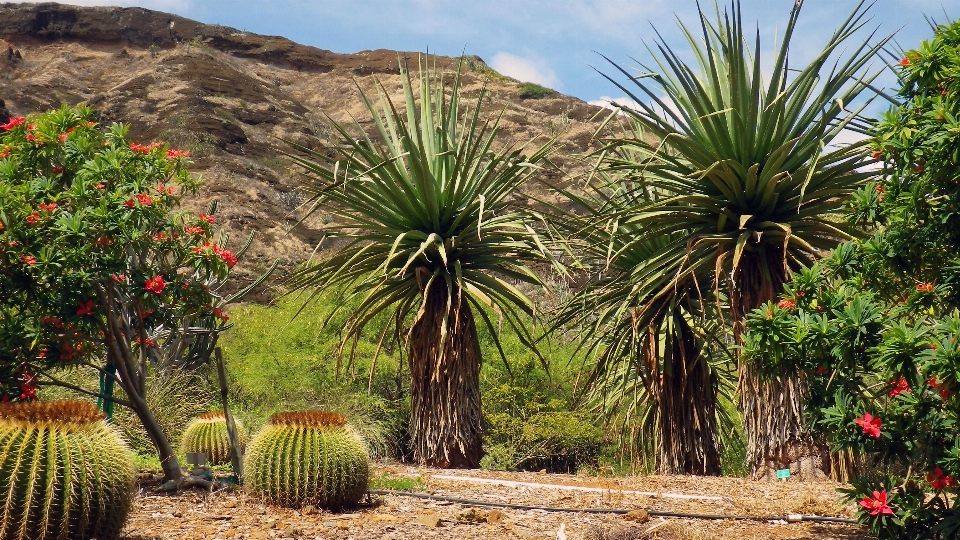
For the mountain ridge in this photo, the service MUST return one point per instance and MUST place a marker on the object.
(230, 96)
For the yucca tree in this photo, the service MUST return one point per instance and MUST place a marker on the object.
(430, 237)
(651, 377)
(744, 185)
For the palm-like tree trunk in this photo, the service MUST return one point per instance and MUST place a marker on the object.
(772, 407)
(445, 417)
(686, 395)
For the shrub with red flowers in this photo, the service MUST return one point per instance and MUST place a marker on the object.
(90, 243)
(875, 327)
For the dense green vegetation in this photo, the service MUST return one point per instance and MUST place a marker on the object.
(533, 91)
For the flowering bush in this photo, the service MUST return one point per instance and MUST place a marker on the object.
(97, 268)
(875, 328)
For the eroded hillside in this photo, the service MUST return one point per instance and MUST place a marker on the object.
(229, 97)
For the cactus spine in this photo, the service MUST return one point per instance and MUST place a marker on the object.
(308, 457)
(208, 434)
(64, 473)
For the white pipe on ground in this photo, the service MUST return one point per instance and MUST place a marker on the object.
(513, 483)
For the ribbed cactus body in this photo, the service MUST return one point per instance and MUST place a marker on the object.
(208, 434)
(64, 473)
(310, 457)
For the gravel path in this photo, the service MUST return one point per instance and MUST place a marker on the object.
(234, 515)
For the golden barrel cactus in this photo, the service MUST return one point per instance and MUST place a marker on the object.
(64, 473)
(307, 457)
(208, 434)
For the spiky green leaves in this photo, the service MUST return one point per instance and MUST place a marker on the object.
(429, 199)
(309, 457)
(64, 473)
(208, 434)
(739, 166)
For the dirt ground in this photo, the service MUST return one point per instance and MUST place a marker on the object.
(234, 515)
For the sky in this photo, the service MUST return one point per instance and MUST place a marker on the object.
(555, 43)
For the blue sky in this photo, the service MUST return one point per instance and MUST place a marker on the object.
(554, 43)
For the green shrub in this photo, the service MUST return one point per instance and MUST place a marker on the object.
(308, 457)
(529, 424)
(208, 434)
(65, 473)
(534, 91)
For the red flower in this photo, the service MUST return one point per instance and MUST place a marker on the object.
(57, 170)
(30, 137)
(939, 480)
(33, 218)
(206, 217)
(876, 154)
(129, 203)
(48, 207)
(945, 392)
(86, 308)
(14, 122)
(28, 392)
(146, 313)
(899, 387)
(877, 506)
(821, 370)
(155, 284)
(220, 314)
(28, 260)
(194, 230)
(119, 278)
(144, 199)
(228, 257)
(63, 137)
(926, 287)
(880, 189)
(870, 425)
(147, 344)
(101, 185)
(787, 303)
(174, 153)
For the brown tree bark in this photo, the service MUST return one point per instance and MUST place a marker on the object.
(686, 394)
(772, 407)
(445, 417)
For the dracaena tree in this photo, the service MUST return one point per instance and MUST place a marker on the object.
(429, 235)
(652, 376)
(742, 181)
(97, 268)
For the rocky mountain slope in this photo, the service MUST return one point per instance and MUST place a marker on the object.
(229, 97)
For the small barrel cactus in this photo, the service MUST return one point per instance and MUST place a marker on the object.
(64, 473)
(208, 434)
(308, 457)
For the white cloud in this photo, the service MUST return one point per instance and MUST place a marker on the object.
(608, 102)
(526, 70)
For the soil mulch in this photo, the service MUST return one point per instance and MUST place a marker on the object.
(232, 514)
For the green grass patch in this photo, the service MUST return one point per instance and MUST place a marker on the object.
(534, 91)
(387, 481)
